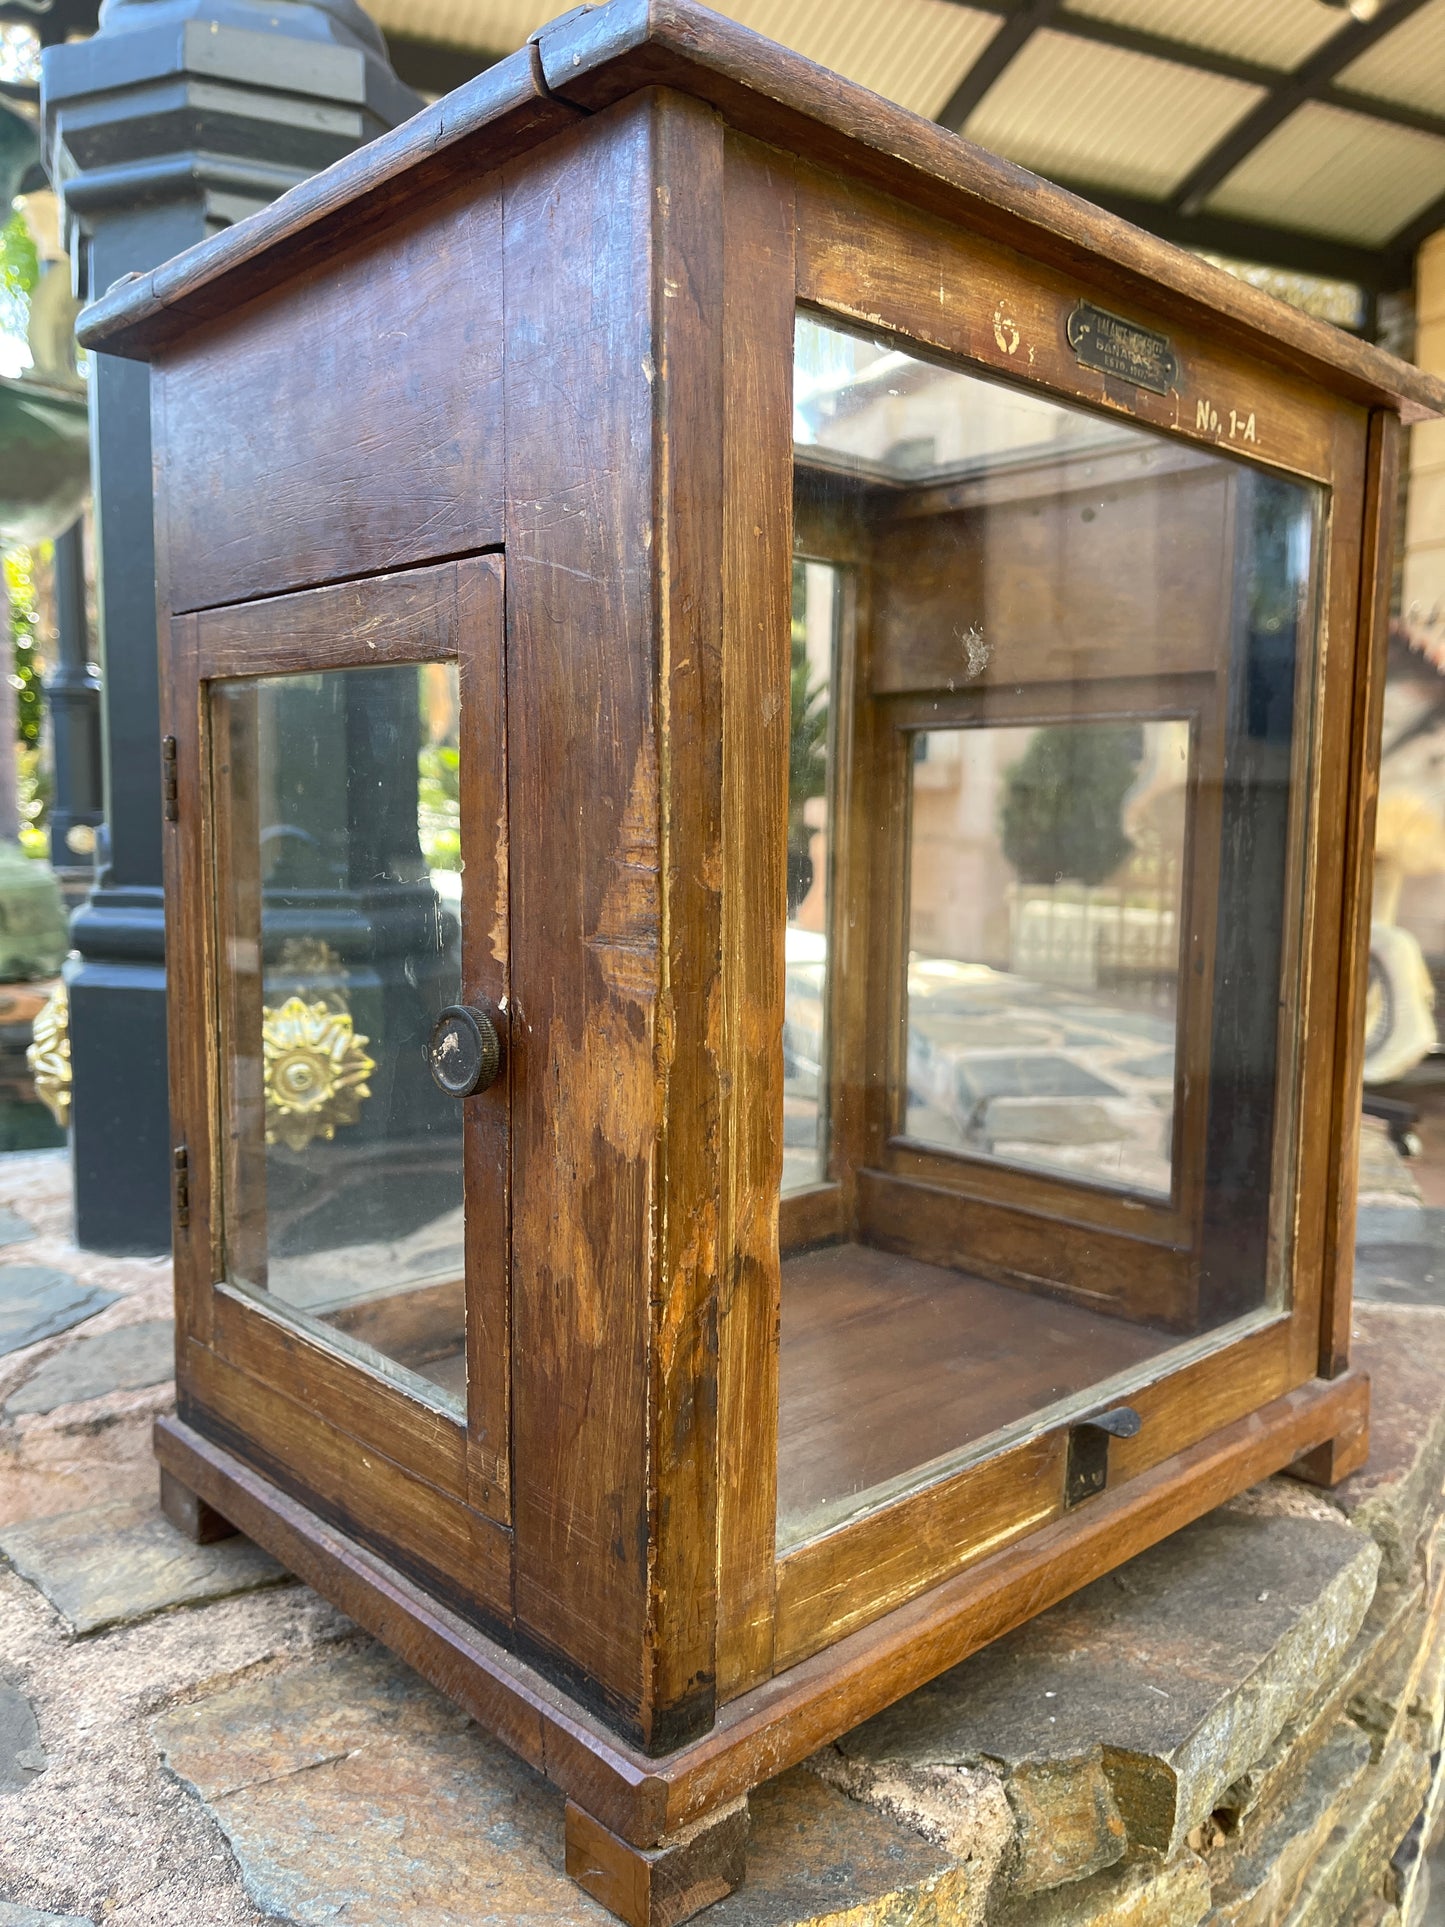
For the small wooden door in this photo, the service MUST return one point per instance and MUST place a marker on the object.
(350, 846)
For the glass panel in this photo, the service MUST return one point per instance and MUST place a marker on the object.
(817, 601)
(1044, 920)
(1076, 762)
(338, 857)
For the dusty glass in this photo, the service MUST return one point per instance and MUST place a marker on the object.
(1053, 918)
(338, 863)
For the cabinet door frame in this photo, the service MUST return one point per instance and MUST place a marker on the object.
(874, 264)
(242, 1361)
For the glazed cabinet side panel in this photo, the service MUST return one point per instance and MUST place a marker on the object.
(1382, 458)
(347, 424)
(613, 754)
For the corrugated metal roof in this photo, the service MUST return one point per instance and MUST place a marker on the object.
(1077, 111)
(1408, 65)
(1336, 173)
(487, 26)
(1276, 33)
(915, 53)
(917, 59)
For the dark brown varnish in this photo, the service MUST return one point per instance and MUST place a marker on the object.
(510, 388)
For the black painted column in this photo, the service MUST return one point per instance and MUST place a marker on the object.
(176, 119)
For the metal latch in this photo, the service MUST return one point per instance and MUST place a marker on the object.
(170, 786)
(1088, 1467)
(181, 1183)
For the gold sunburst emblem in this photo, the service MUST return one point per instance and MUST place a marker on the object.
(49, 1056)
(315, 1070)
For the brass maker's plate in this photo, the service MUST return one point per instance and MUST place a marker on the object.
(1116, 347)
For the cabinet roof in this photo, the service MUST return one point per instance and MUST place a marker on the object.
(596, 55)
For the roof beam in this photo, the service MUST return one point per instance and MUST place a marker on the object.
(1308, 82)
(1018, 27)
(1181, 53)
(1414, 233)
(1377, 270)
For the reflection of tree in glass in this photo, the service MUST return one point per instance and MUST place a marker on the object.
(1061, 814)
(807, 750)
(438, 787)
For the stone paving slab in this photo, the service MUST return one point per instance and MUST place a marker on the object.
(347, 1789)
(1398, 1490)
(14, 1229)
(21, 1755)
(110, 1565)
(1120, 1716)
(124, 1359)
(39, 1301)
(15, 1916)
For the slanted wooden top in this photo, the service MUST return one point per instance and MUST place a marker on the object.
(595, 55)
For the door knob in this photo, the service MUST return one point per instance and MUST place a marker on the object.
(464, 1052)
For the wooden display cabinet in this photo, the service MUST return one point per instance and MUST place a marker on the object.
(770, 757)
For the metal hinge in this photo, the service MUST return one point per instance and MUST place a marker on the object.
(1087, 1472)
(181, 1185)
(170, 788)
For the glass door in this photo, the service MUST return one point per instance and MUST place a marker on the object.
(1053, 676)
(358, 813)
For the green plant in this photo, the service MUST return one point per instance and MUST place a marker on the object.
(33, 782)
(1061, 812)
(19, 273)
(439, 815)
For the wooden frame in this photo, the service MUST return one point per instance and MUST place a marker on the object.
(589, 460)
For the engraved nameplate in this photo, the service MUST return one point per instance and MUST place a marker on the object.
(1122, 348)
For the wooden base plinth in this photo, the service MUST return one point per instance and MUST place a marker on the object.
(190, 1515)
(1338, 1457)
(659, 1886)
(656, 1839)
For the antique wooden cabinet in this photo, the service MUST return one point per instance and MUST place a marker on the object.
(769, 760)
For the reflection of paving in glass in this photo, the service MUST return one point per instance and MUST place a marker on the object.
(1003, 1067)
(412, 1315)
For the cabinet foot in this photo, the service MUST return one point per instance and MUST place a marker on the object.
(191, 1516)
(1337, 1458)
(663, 1885)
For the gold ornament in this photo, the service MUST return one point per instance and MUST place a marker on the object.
(315, 1072)
(49, 1056)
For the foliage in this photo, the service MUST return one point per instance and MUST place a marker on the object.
(1061, 813)
(19, 273)
(808, 743)
(439, 816)
(34, 783)
(807, 748)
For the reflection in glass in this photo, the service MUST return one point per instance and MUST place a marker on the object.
(1074, 764)
(1046, 867)
(817, 598)
(339, 857)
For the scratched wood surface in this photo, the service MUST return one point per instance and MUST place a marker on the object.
(550, 438)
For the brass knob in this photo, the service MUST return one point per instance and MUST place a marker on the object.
(464, 1052)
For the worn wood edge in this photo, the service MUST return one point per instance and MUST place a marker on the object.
(592, 57)
(781, 1722)
(500, 113)
(594, 54)
(1372, 623)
